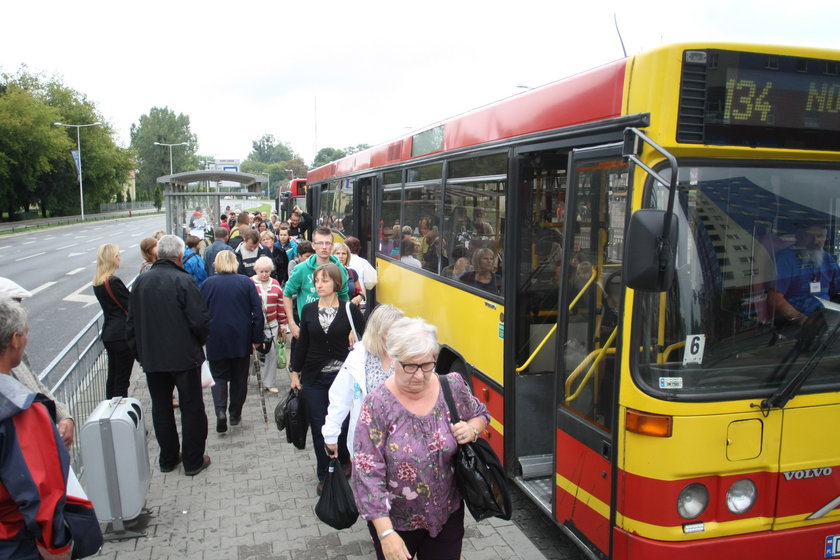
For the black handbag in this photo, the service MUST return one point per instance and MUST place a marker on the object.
(336, 507)
(295, 416)
(478, 472)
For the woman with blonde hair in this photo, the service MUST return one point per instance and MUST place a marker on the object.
(113, 298)
(236, 328)
(354, 289)
(366, 367)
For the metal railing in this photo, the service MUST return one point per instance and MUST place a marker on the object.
(77, 378)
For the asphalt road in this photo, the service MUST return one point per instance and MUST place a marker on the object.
(57, 265)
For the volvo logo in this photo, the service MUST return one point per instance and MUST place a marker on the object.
(807, 473)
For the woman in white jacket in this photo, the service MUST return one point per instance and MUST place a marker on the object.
(366, 367)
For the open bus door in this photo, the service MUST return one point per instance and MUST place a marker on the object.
(568, 288)
(588, 325)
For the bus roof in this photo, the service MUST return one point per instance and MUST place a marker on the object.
(590, 96)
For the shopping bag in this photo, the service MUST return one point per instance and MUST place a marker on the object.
(336, 506)
(206, 377)
(280, 348)
(296, 424)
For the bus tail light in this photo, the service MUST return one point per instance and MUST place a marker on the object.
(654, 425)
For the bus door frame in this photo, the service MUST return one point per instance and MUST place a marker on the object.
(586, 434)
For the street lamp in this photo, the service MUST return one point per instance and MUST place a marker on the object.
(170, 151)
(79, 159)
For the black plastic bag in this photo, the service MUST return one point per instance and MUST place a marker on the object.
(280, 411)
(336, 507)
(478, 472)
(482, 481)
(296, 421)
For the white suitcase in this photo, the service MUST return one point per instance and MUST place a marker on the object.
(115, 455)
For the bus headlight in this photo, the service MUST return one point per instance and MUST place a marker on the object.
(692, 501)
(741, 496)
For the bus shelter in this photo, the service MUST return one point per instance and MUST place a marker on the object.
(189, 210)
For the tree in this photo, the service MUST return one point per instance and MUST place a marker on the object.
(158, 197)
(326, 155)
(36, 166)
(164, 126)
(268, 150)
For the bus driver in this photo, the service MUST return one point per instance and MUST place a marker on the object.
(804, 272)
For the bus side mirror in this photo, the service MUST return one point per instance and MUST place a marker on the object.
(649, 257)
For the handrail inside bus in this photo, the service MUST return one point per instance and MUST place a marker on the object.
(598, 354)
(551, 332)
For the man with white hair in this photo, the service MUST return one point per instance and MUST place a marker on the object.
(23, 373)
(168, 324)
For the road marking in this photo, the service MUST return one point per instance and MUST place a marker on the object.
(31, 256)
(66, 246)
(27, 242)
(50, 237)
(130, 247)
(41, 288)
(75, 255)
(82, 298)
(72, 272)
(136, 234)
(95, 239)
(5, 246)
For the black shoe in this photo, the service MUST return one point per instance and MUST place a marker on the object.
(204, 464)
(234, 421)
(221, 424)
(173, 467)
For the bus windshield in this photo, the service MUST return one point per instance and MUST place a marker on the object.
(756, 259)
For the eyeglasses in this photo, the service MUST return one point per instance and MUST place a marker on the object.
(322, 243)
(411, 369)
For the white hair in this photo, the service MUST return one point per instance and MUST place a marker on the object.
(412, 336)
(170, 247)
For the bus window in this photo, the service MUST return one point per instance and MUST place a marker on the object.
(336, 202)
(389, 226)
(473, 224)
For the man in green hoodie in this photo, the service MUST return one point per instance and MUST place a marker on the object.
(301, 283)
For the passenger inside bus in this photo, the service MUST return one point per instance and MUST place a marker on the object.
(484, 277)
(460, 263)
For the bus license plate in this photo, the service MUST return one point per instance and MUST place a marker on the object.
(832, 546)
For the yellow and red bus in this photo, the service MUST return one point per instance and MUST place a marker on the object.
(600, 257)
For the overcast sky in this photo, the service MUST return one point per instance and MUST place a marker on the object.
(334, 74)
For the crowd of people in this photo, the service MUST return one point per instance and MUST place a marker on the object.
(363, 376)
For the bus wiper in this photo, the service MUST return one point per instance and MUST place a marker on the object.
(791, 387)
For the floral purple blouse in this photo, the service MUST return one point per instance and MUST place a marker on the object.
(403, 462)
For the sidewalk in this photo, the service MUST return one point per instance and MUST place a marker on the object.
(256, 502)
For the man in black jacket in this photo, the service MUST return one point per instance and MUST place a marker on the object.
(168, 324)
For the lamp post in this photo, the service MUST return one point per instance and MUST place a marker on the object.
(79, 159)
(170, 151)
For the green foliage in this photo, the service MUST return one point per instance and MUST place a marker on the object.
(164, 126)
(36, 167)
(158, 198)
(268, 150)
(326, 155)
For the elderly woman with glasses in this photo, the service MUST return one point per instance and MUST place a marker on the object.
(404, 478)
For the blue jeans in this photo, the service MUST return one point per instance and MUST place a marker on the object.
(317, 395)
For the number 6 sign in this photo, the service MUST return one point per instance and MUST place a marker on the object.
(695, 344)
